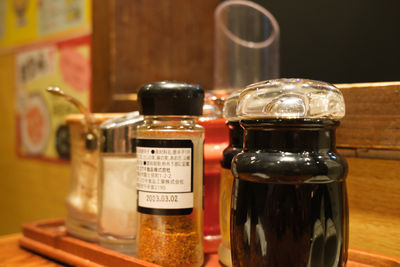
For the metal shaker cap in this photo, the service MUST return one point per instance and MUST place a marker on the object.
(118, 135)
(291, 99)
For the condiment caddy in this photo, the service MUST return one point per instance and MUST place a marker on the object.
(50, 239)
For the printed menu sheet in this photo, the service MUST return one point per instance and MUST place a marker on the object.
(41, 128)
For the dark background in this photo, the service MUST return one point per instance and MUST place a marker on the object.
(339, 41)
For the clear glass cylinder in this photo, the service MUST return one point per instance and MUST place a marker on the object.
(246, 45)
(170, 190)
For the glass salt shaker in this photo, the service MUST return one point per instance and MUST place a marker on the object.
(289, 200)
(226, 181)
(170, 174)
(117, 218)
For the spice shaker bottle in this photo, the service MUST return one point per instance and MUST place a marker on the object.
(226, 181)
(117, 220)
(170, 174)
(289, 200)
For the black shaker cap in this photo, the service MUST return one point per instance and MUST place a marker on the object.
(171, 98)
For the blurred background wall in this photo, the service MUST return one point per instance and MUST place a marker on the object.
(339, 41)
(40, 45)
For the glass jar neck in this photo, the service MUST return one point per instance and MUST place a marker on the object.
(170, 119)
(235, 134)
(291, 135)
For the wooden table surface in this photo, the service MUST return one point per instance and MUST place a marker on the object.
(12, 255)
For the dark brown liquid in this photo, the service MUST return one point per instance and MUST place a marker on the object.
(289, 202)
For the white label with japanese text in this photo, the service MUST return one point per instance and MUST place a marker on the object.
(165, 174)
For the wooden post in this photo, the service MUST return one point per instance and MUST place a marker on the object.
(137, 41)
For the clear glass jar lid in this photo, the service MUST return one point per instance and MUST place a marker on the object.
(291, 99)
(230, 106)
(211, 110)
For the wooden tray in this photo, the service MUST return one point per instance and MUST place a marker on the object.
(49, 238)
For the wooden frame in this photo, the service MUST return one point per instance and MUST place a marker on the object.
(372, 118)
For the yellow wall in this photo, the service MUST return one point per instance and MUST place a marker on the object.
(29, 189)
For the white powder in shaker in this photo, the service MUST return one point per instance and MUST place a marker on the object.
(118, 215)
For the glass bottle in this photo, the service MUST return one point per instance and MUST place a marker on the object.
(82, 198)
(116, 222)
(226, 181)
(289, 205)
(170, 174)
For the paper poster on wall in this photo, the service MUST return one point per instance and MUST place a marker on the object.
(56, 16)
(25, 21)
(40, 115)
(2, 19)
(18, 21)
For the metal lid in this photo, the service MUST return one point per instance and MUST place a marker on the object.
(118, 134)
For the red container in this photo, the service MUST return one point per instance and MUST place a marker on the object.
(216, 140)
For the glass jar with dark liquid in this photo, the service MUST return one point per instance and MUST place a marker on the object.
(234, 147)
(289, 199)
